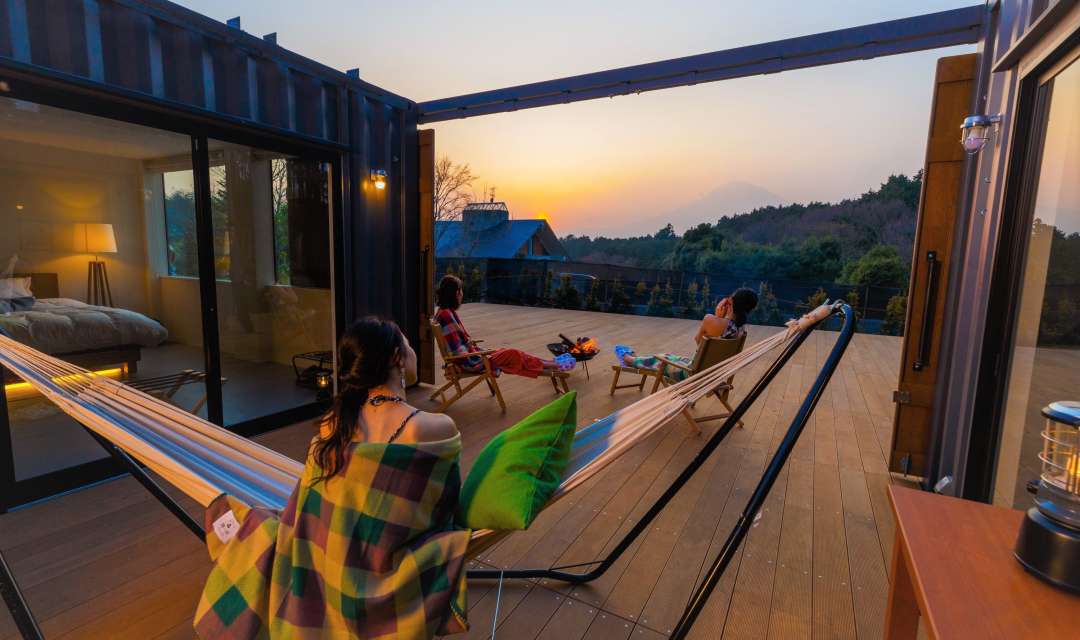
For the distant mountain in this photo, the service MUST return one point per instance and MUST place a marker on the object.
(812, 241)
(728, 199)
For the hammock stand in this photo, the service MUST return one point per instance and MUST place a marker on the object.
(30, 630)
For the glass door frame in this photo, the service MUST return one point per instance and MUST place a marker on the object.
(200, 128)
(1018, 206)
(204, 232)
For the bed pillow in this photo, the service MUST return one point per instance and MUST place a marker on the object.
(518, 471)
(15, 288)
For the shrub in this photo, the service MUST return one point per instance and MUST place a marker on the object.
(767, 310)
(619, 300)
(567, 296)
(592, 299)
(895, 314)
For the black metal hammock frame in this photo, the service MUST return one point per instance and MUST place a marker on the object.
(28, 627)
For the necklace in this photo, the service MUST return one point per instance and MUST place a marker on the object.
(381, 398)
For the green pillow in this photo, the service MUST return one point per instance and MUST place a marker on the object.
(518, 471)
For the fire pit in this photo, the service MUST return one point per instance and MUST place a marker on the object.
(583, 350)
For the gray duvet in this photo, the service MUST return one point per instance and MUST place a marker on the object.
(63, 325)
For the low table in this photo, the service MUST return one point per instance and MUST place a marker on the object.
(953, 564)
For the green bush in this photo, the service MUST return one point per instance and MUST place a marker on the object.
(895, 314)
(567, 296)
(768, 309)
(620, 302)
(592, 299)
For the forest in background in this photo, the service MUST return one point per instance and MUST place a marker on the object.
(860, 241)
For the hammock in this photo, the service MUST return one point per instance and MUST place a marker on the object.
(204, 460)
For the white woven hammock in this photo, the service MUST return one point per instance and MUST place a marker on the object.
(204, 460)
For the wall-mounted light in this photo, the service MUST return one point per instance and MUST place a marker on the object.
(977, 131)
(378, 178)
(19, 206)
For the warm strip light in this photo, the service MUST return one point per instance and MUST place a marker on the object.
(20, 390)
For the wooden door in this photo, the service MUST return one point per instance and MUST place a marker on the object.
(426, 348)
(934, 229)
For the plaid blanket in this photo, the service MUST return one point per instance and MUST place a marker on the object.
(458, 339)
(370, 553)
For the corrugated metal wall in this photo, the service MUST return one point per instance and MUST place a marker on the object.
(166, 58)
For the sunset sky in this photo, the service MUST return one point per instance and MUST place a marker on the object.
(625, 166)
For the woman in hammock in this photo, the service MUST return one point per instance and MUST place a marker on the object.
(458, 340)
(367, 546)
(728, 322)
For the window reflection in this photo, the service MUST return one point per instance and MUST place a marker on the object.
(1046, 349)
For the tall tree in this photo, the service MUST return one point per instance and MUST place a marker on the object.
(453, 184)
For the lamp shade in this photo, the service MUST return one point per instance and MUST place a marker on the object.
(95, 238)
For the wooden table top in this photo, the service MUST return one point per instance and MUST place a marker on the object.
(967, 582)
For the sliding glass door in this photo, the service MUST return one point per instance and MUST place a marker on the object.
(196, 269)
(1045, 349)
(271, 216)
(98, 221)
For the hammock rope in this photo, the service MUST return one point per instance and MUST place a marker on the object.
(204, 460)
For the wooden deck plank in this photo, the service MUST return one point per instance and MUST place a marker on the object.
(792, 601)
(90, 569)
(834, 616)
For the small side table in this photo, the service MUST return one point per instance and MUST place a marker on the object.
(953, 564)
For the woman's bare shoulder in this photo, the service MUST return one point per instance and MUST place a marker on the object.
(430, 427)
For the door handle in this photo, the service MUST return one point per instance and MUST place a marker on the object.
(926, 332)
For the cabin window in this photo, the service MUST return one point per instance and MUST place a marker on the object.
(1045, 350)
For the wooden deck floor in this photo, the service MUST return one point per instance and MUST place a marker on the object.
(109, 562)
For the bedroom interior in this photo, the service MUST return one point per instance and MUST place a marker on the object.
(101, 211)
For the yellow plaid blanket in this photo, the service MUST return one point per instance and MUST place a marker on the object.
(370, 553)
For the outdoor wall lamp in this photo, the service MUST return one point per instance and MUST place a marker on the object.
(1049, 540)
(378, 178)
(976, 132)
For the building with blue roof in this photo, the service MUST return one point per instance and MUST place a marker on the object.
(486, 231)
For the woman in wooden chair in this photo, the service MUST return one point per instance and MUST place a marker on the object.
(459, 342)
(728, 323)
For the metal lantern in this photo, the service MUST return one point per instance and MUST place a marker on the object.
(324, 383)
(1049, 540)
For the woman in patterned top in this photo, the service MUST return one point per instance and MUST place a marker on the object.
(458, 340)
(728, 322)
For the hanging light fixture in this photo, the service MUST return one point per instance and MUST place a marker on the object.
(977, 131)
(1049, 541)
(378, 178)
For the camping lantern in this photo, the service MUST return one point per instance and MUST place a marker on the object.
(1049, 540)
(323, 382)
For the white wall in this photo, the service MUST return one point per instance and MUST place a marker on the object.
(58, 188)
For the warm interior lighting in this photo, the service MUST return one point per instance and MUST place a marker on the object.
(19, 206)
(95, 238)
(378, 178)
(21, 390)
(322, 379)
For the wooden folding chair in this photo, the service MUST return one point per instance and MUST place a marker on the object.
(644, 373)
(711, 351)
(456, 373)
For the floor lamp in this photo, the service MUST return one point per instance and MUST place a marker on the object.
(98, 239)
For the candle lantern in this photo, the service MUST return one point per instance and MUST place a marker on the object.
(324, 383)
(1049, 540)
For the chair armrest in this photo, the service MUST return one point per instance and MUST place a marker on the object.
(677, 365)
(463, 356)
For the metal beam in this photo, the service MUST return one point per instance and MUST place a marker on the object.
(929, 31)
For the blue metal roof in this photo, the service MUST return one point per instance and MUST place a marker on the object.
(502, 240)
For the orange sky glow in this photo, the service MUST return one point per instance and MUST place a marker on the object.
(625, 166)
